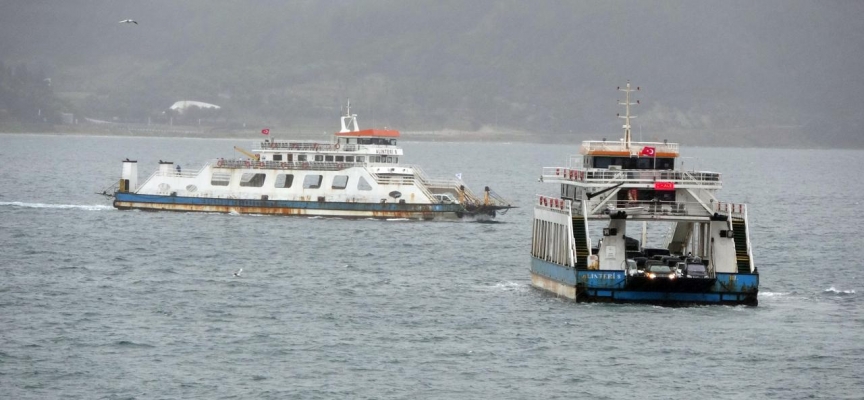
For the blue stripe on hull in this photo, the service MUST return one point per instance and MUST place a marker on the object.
(612, 286)
(124, 200)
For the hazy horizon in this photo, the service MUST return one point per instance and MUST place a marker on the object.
(771, 73)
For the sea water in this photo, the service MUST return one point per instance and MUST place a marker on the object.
(101, 303)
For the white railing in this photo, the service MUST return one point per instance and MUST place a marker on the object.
(654, 208)
(590, 146)
(737, 210)
(636, 176)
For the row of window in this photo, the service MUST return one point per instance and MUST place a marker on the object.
(331, 158)
(631, 162)
(285, 181)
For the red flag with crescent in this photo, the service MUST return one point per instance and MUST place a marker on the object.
(648, 151)
(265, 131)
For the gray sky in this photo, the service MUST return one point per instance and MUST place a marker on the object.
(781, 72)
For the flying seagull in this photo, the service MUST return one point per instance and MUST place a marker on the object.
(239, 271)
(128, 21)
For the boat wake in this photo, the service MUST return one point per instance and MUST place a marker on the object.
(834, 290)
(90, 207)
(510, 286)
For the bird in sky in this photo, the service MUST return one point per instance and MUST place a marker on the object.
(128, 21)
(239, 271)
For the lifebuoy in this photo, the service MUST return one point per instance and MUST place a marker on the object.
(305, 165)
(260, 164)
(284, 165)
(272, 145)
(248, 163)
(220, 163)
(336, 146)
(339, 166)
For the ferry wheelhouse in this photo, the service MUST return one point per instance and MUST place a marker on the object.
(357, 175)
(706, 256)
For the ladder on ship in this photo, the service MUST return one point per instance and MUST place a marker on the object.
(583, 248)
(742, 256)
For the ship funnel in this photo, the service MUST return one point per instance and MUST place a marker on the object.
(129, 176)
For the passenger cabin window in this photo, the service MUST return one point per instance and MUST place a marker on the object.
(340, 158)
(277, 157)
(312, 181)
(340, 181)
(328, 158)
(251, 179)
(220, 179)
(301, 157)
(349, 158)
(319, 157)
(362, 184)
(361, 158)
(633, 162)
(284, 181)
(289, 157)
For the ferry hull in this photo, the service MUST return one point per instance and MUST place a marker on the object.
(133, 201)
(614, 286)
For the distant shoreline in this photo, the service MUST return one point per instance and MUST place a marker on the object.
(719, 138)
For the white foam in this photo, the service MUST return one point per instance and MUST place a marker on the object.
(398, 219)
(510, 286)
(832, 289)
(772, 294)
(87, 207)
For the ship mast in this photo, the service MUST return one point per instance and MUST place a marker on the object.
(627, 89)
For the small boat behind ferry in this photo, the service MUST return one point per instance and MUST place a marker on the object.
(357, 175)
(707, 257)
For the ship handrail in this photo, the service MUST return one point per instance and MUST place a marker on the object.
(606, 176)
(655, 208)
(603, 145)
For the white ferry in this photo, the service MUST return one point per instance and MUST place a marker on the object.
(707, 257)
(357, 175)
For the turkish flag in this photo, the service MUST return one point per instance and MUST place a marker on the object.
(648, 151)
(265, 131)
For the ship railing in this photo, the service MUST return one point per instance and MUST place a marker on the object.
(456, 186)
(605, 176)
(655, 208)
(592, 146)
(737, 210)
(294, 165)
(553, 204)
(426, 184)
(301, 146)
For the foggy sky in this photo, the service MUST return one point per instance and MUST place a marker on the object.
(766, 72)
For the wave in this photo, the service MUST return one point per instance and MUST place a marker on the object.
(398, 219)
(832, 289)
(90, 207)
(772, 294)
(510, 286)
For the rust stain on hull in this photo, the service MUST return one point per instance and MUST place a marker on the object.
(424, 214)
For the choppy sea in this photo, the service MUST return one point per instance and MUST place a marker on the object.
(97, 303)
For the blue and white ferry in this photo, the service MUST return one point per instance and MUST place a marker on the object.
(706, 257)
(357, 175)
